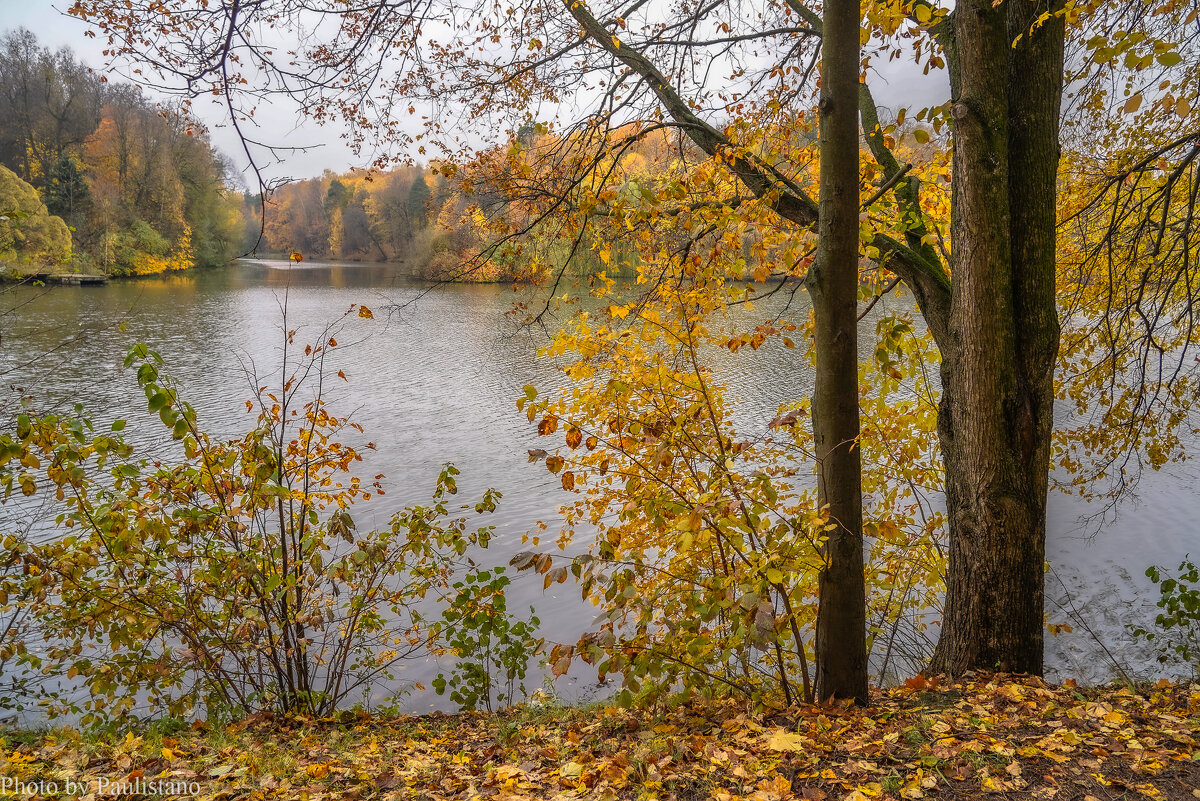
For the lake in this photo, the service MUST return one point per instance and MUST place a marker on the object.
(436, 381)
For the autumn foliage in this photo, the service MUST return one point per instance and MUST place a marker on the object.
(1026, 284)
(140, 186)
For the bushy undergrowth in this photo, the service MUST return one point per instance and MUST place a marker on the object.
(230, 577)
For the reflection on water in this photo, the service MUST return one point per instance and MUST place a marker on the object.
(435, 381)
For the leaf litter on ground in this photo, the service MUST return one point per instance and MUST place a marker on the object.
(999, 736)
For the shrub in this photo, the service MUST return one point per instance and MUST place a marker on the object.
(147, 240)
(20, 675)
(1177, 639)
(29, 234)
(233, 578)
(493, 649)
(143, 251)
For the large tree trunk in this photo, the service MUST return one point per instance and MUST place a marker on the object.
(996, 412)
(833, 285)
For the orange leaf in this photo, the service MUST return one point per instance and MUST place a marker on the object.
(919, 682)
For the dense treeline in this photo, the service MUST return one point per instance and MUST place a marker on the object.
(483, 219)
(429, 218)
(358, 216)
(478, 220)
(141, 189)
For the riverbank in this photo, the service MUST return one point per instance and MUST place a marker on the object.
(452, 272)
(1011, 738)
(71, 279)
(11, 275)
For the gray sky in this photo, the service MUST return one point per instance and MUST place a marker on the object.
(895, 84)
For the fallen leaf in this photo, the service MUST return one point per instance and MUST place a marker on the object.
(784, 740)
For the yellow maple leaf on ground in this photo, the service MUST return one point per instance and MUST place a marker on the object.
(784, 740)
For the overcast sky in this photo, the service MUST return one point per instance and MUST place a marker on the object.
(895, 84)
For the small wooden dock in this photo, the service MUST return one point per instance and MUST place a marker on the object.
(71, 278)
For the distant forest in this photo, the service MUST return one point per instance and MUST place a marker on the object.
(390, 216)
(95, 176)
(139, 189)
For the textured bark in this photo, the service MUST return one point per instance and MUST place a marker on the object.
(997, 373)
(833, 286)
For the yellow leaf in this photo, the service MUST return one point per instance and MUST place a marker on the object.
(784, 740)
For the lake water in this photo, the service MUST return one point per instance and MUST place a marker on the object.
(436, 382)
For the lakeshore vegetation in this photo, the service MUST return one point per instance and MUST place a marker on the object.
(1042, 222)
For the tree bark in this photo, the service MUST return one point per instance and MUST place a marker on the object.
(996, 412)
(833, 286)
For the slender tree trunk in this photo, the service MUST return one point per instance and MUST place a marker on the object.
(996, 412)
(833, 285)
